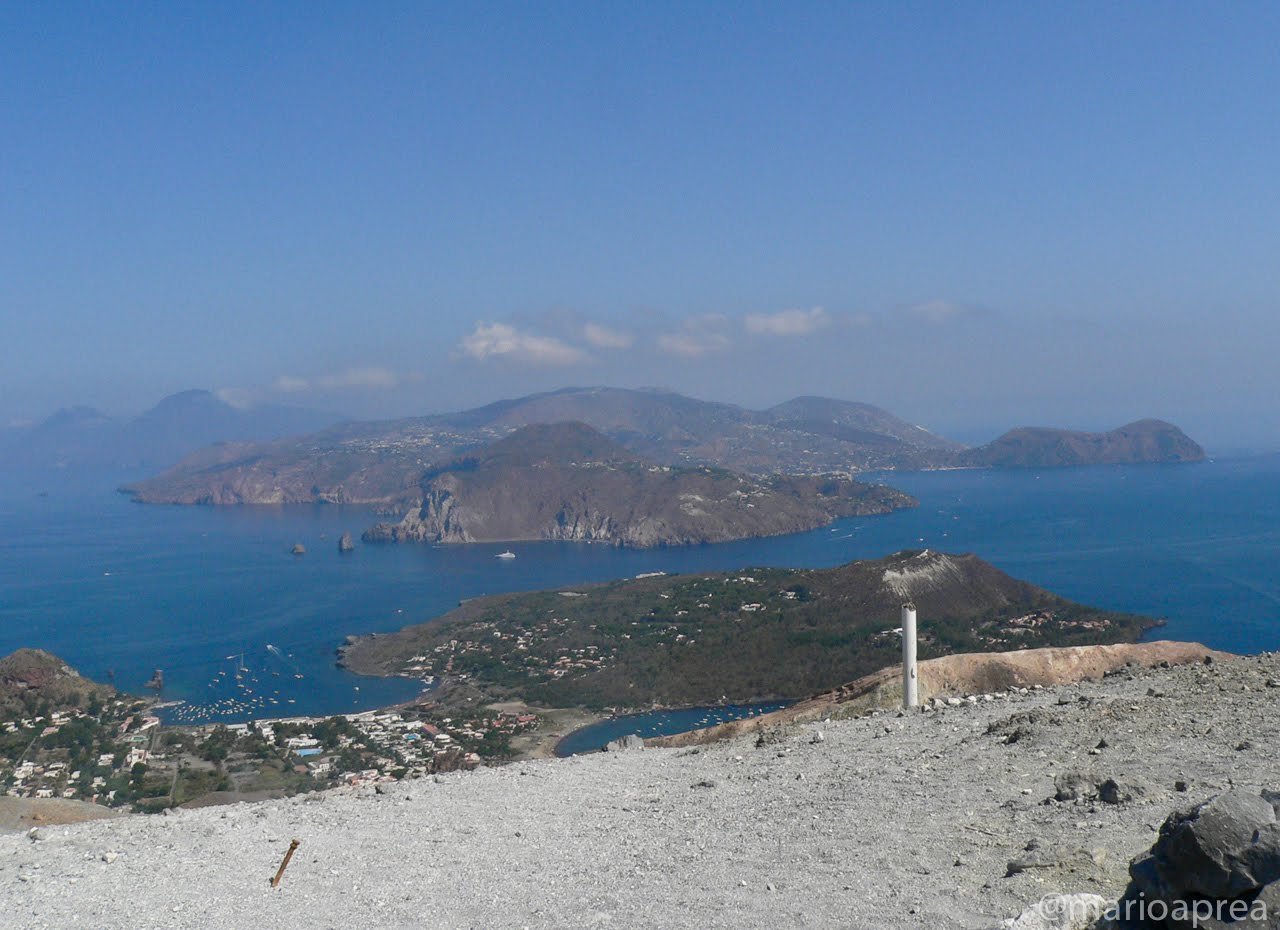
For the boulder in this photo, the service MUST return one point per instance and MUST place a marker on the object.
(345, 544)
(1117, 792)
(628, 743)
(1061, 912)
(1074, 786)
(1223, 852)
(1222, 848)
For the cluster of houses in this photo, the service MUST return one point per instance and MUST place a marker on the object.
(426, 443)
(38, 777)
(440, 661)
(40, 781)
(388, 741)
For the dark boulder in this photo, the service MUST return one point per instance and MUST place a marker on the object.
(1221, 853)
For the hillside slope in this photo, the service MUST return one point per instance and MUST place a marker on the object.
(33, 677)
(567, 481)
(380, 462)
(909, 823)
(955, 676)
(754, 634)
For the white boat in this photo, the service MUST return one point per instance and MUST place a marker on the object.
(505, 555)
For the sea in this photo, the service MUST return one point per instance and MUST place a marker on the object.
(241, 628)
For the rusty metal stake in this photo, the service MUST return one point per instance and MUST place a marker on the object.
(275, 882)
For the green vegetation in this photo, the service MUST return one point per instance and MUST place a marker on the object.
(754, 634)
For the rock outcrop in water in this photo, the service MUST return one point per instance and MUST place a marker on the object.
(345, 544)
(566, 481)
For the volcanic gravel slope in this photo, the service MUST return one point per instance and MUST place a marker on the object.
(879, 822)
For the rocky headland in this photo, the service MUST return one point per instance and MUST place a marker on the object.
(32, 678)
(567, 481)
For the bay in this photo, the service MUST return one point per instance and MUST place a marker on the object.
(115, 587)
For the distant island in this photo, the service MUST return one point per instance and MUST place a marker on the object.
(1039, 447)
(384, 463)
(754, 634)
(177, 426)
(567, 481)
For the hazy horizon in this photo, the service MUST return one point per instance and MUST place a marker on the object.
(975, 218)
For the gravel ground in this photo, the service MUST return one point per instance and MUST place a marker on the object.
(879, 822)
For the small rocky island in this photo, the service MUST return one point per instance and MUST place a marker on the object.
(567, 481)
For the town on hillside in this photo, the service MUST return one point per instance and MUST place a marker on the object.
(119, 753)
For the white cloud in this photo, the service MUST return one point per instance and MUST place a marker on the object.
(372, 378)
(501, 340)
(698, 336)
(788, 322)
(602, 337)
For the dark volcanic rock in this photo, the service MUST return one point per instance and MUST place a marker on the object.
(1224, 850)
(1074, 786)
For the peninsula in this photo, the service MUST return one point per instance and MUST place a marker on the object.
(754, 634)
(567, 481)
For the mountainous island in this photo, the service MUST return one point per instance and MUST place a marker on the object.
(756, 634)
(567, 481)
(1039, 447)
(177, 426)
(383, 463)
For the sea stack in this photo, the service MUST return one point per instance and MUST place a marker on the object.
(345, 544)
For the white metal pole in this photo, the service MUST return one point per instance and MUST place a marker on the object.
(910, 685)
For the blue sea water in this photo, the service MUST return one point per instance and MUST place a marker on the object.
(658, 723)
(113, 586)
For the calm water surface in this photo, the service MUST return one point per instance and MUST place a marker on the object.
(115, 587)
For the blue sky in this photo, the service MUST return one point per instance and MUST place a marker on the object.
(975, 215)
